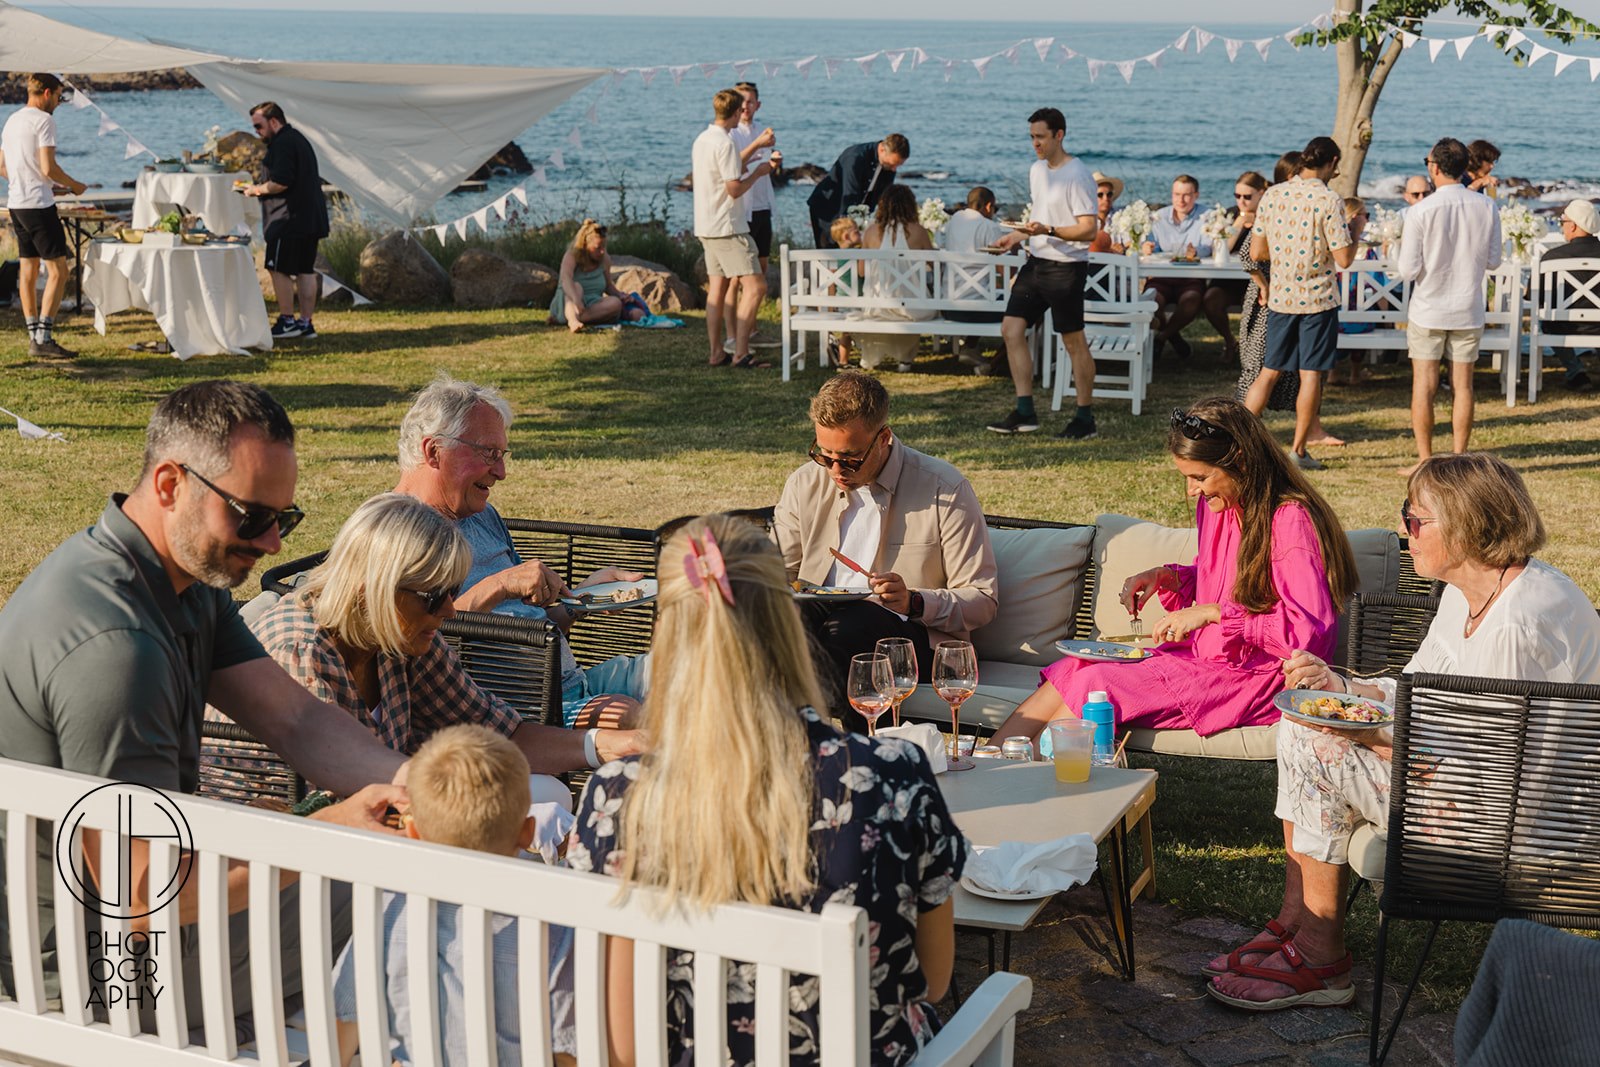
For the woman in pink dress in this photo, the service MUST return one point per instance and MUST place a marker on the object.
(1273, 570)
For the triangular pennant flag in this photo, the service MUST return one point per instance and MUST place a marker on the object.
(481, 217)
(949, 68)
(742, 67)
(1042, 46)
(461, 227)
(1125, 68)
(1011, 55)
(1435, 46)
(918, 57)
(575, 137)
(593, 114)
(1322, 21)
(1154, 58)
(1563, 61)
(616, 76)
(830, 65)
(1407, 38)
(865, 62)
(1515, 37)
(558, 160)
(521, 194)
(1182, 43)
(771, 67)
(804, 65)
(1490, 30)
(1233, 47)
(107, 124)
(1065, 54)
(499, 207)
(80, 99)
(540, 176)
(1594, 68)
(133, 149)
(1201, 39)
(1095, 67)
(648, 74)
(1292, 34)
(1462, 44)
(895, 59)
(678, 72)
(1537, 53)
(982, 66)
(441, 232)
(1262, 46)
(30, 431)
(709, 69)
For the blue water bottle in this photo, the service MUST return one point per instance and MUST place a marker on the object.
(1100, 711)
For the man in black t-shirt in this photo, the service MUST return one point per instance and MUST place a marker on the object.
(295, 217)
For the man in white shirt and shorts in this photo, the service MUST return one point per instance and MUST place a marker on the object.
(720, 182)
(28, 163)
(1063, 223)
(752, 145)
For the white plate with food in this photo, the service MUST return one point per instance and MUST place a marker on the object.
(1341, 711)
(1103, 651)
(1003, 894)
(611, 596)
(833, 593)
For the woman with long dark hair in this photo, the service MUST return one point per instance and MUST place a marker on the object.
(1273, 569)
(896, 226)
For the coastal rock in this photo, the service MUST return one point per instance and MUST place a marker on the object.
(804, 174)
(482, 279)
(395, 269)
(662, 289)
(14, 87)
(242, 151)
(509, 160)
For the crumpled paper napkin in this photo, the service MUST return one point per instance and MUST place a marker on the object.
(1042, 867)
(925, 736)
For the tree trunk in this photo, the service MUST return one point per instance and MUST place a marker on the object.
(1362, 74)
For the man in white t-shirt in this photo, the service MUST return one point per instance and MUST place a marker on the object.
(974, 230)
(752, 145)
(1062, 224)
(720, 183)
(28, 164)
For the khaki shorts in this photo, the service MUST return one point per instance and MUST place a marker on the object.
(731, 257)
(1424, 343)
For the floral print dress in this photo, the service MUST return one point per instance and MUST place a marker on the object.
(883, 840)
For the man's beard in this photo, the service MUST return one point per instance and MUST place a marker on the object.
(199, 556)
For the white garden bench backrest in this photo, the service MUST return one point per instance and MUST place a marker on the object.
(831, 945)
(1112, 284)
(1379, 296)
(952, 281)
(1566, 290)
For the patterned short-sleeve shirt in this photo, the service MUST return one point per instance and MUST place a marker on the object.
(883, 840)
(1303, 223)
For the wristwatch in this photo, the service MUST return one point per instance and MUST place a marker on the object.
(915, 609)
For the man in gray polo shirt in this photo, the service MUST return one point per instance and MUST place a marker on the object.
(111, 648)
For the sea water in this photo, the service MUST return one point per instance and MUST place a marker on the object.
(1199, 114)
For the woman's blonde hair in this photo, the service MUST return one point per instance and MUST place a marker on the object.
(580, 244)
(1485, 511)
(722, 807)
(392, 542)
(469, 788)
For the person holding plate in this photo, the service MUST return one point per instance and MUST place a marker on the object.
(1273, 567)
(1473, 525)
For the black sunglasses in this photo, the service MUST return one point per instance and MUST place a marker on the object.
(1195, 428)
(1412, 523)
(433, 599)
(849, 466)
(254, 519)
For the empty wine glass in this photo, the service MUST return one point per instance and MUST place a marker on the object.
(902, 655)
(870, 687)
(955, 678)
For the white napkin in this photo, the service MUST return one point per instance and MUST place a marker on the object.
(925, 736)
(1045, 867)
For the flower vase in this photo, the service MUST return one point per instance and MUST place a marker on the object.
(1219, 253)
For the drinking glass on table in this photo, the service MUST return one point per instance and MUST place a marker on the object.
(903, 665)
(955, 679)
(870, 687)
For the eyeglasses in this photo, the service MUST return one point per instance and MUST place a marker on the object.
(1104, 192)
(847, 463)
(1412, 523)
(254, 519)
(1195, 428)
(489, 455)
(433, 599)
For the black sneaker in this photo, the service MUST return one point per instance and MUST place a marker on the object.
(308, 332)
(286, 328)
(50, 349)
(1079, 428)
(1182, 348)
(1580, 383)
(1015, 422)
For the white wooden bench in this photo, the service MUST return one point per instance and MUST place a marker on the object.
(1565, 291)
(832, 945)
(1117, 319)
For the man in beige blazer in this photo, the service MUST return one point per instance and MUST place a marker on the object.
(911, 520)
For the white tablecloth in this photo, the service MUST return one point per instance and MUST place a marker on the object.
(210, 196)
(205, 298)
(1205, 269)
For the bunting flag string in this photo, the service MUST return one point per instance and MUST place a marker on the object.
(81, 101)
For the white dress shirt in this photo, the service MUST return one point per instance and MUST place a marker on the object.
(860, 528)
(1451, 239)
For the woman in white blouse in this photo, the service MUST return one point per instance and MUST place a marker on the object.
(1503, 614)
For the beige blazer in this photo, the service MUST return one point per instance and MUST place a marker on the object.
(933, 536)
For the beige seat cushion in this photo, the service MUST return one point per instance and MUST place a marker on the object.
(1369, 852)
(1123, 547)
(1040, 576)
(1242, 743)
(1001, 687)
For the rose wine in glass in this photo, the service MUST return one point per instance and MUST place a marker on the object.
(955, 678)
(903, 665)
(870, 687)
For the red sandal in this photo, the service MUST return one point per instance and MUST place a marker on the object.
(1310, 985)
(1264, 944)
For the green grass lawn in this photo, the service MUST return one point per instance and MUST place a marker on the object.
(634, 429)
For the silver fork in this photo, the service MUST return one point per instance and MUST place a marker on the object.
(1136, 627)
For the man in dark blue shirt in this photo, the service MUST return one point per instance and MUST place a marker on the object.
(859, 176)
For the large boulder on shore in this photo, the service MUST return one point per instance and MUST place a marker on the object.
(662, 289)
(481, 279)
(243, 151)
(396, 269)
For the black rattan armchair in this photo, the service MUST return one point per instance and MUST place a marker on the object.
(236, 767)
(1384, 630)
(516, 659)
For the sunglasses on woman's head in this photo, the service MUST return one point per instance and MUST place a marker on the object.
(433, 599)
(254, 519)
(1195, 428)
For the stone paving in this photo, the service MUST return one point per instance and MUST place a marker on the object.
(1083, 1014)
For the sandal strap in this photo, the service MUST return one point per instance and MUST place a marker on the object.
(1276, 934)
(1303, 977)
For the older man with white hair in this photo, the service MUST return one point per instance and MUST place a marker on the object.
(1580, 225)
(453, 450)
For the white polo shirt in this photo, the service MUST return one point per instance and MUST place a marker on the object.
(716, 162)
(1451, 239)
(27, 131)
(1059, 197)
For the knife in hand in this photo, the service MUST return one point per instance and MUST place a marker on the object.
(852, 564)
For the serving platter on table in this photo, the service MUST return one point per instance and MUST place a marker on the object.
(611, 596)
(1103, 651)
(1296, 704)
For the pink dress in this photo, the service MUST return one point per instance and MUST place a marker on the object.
(1225, 674)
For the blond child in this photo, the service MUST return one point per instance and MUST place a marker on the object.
(845, 234)
(469, 789)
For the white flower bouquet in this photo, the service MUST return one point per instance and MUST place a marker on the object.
(1219, 228)
(933, 215)
(208, 149)
(1385, 226)
(861, 215)
(1522, 228)
(1131, 225)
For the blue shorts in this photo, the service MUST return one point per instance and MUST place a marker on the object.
(1302, 342)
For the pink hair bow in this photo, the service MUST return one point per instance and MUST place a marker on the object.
(704, 567)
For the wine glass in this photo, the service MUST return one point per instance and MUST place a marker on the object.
(903, 665)
(870, 687)
(955, 678)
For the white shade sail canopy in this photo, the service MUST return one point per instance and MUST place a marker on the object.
(395, 137)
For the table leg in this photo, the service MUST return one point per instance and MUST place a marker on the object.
(1123, 923)
(1005, 952)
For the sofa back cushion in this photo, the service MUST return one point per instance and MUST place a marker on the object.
(1041, 574)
